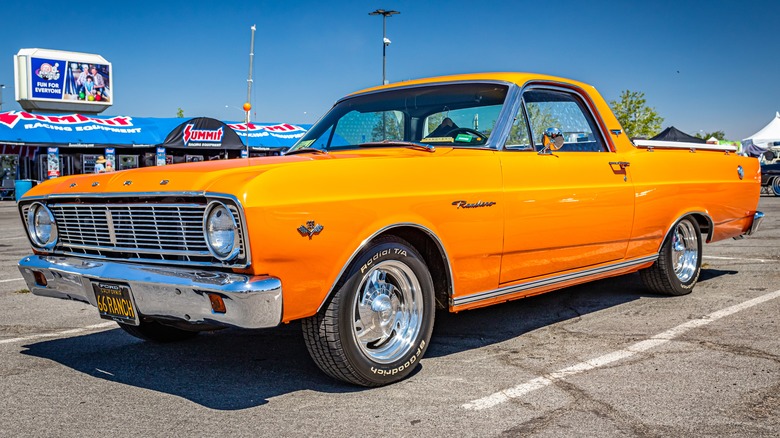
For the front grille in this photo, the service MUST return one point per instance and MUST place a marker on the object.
(141, 228)
(161, 232)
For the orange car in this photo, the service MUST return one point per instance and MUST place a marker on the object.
(451, 192)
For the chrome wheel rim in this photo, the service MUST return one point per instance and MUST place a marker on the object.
(685, 251)
(776, 186)
(387, 312)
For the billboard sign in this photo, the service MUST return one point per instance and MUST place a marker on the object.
(63, 81)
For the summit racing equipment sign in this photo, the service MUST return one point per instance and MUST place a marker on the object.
(212, 136)
(203, 133)
(62, 123)
(281, 130)
(82, 130)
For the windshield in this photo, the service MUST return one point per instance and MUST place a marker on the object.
(449, 115)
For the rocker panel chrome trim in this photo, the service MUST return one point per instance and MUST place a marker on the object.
(458, 301)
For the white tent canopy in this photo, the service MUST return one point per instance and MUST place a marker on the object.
(768, 134)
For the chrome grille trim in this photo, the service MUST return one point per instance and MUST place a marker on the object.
(137, 228)
(158, 228)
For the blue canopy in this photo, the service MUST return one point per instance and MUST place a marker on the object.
(24, 128)
(269, 135)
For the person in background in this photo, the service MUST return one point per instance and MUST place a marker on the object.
(100, 83)
(100, 164)
(109, 166)
(82, 79)
(89, 88)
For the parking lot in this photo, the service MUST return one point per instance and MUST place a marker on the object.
(603, 359)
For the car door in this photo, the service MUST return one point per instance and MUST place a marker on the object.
(565, 209)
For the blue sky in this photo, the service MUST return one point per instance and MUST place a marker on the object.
(704, 65)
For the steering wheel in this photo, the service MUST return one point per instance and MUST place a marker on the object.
(482, 138)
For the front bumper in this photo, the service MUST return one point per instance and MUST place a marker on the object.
(163, 292)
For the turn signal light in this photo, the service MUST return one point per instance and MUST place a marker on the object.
(217, 303)
(40, 279)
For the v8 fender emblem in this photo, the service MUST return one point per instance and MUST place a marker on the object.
(310, 229)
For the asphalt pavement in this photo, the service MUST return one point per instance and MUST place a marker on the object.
(602, 359)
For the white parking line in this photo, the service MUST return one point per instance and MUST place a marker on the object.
(741, 259)
(13, 238)
(58, 334)
(12, 279)
(659, 339)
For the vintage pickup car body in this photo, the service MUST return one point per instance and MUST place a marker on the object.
(452, 192)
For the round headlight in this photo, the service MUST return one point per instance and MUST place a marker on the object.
(221, 231)
(41, 226)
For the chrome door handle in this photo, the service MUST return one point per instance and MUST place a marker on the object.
(622, 164)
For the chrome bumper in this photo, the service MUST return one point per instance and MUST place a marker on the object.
(757, 219)
(163, 292)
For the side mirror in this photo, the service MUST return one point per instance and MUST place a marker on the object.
(552, 140)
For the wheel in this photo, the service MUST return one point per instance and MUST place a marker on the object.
(378, 324)
(156, 332)
(776, 186)
(679, 261)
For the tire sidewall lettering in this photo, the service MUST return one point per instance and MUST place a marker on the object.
(380, 255)
(411, 361)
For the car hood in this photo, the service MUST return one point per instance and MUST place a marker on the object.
(219, 176)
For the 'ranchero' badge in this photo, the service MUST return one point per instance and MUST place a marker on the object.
(310, 229)
(464, 204)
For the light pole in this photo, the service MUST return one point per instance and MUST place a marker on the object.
(385, 40)
(248, 104)
(2, 86)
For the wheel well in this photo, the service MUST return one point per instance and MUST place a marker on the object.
(705, 224)
(434, 258)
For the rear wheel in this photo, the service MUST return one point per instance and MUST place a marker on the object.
(377, 326)
(156, 332)
(679, 262)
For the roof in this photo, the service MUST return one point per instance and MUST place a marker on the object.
(519, 78)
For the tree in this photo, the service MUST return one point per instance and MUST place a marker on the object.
(720, 135)
(386, 127)
(434, 121)
(637, 119)
(180, 113)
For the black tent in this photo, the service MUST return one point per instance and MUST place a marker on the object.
(673, 134)
(203, 133)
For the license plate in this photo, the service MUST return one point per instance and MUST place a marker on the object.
(115, 302)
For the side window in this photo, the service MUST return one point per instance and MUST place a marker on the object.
(567, 112)
(355, 128)
(518, 135)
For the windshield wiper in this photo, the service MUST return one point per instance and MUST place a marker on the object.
(305, 150)
(391, 143)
